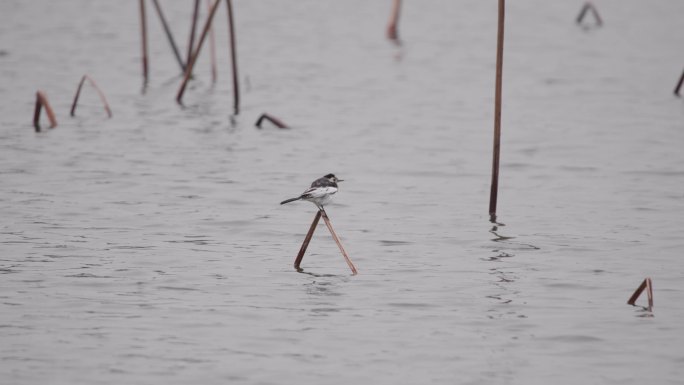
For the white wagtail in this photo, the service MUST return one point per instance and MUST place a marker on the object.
(320, 193)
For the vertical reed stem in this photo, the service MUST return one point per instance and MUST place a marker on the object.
(233, 56)
(497, 113)
(143, 28)
(212, 51)
(36, 112)
(649, 292)
(167, 30)
(191, 63)
(392, 27)
(307, 239)
(337, 240)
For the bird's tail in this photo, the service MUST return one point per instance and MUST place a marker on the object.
(290, 200)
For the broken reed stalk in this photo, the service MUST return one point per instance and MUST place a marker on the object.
(143, 29)
(648, 285)
(497, 113)
(588, 6)
(212, 50)
(679, 85)
(233, 57)
(307, 239)
(42, 101)
(392, 27)
(271, 119)
(169, 35)
(193, 29)
(337, 240)
(193, 59)
(99, 92)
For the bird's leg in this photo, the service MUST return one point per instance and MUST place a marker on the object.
(307, 239)
(337, 240)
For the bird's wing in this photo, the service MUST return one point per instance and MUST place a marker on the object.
(317, 192)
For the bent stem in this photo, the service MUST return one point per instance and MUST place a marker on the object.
(99, 92)
(271, 119)
(588, 6)
(42, 101)
(648, 285)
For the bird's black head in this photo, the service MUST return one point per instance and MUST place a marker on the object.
(332, 178)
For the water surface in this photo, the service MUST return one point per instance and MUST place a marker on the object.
(150, 248)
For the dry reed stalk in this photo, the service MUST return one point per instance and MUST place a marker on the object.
(212, 50)
(42, 101)
(648, 285)
(679, 85)
(337, 240)
(392, 26)
(143, 28)
(271, 119)
(307, 239)
(193, 30)
(193, 59)
(497, 113)
(233, 57)
(588, 6)
(99, 92)
(169, 35)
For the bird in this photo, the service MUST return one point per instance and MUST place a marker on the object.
(320, 193)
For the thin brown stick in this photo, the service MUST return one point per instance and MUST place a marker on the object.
(42, 101)
(337, 240)
(99, 92)
(193, 30)
(169, 35)
(233, 57)
(497, 113)
(679, 85)
(191, 63)
(392, 26)
(648, 285)
(307, 239)
(271, 119)
(212, 50)
(143, 28)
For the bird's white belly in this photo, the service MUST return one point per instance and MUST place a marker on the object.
(320, 196)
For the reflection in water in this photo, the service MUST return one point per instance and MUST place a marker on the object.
(504, 277)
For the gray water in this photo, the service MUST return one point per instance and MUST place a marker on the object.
(150, 248)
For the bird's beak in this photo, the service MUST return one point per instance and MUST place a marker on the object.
(340, 180)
